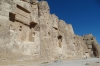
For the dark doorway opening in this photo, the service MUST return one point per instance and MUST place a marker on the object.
(60, 41)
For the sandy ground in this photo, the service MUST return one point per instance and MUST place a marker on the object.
(83, 62)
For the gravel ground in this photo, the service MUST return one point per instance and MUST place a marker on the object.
(83, 62)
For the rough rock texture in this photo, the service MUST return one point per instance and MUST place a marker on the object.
(29, 32)
(92, 45)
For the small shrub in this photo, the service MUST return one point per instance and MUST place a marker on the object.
(45, 62)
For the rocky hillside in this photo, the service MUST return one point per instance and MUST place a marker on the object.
(29, 32)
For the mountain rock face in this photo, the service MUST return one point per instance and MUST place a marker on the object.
(29, 32)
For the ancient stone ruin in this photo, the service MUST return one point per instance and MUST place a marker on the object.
(29, 32)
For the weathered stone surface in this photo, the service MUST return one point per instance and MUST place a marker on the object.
(92, 44)
(29, 32)
(80, 45)
(34, 1)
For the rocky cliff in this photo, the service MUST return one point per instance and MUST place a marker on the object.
(29, 32)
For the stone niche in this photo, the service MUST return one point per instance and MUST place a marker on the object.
(20, 20)
(32, 33)
(60, 41)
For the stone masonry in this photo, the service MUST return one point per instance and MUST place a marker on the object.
(29, 32)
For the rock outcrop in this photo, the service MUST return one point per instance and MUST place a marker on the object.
(92, 45)
(29, 32)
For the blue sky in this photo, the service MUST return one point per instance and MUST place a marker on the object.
(84, 15)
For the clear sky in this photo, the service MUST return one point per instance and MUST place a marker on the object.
(84, 15)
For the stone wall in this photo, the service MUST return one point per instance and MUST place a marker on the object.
(29, 32)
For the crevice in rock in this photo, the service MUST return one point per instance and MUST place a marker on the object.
(55, 28)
